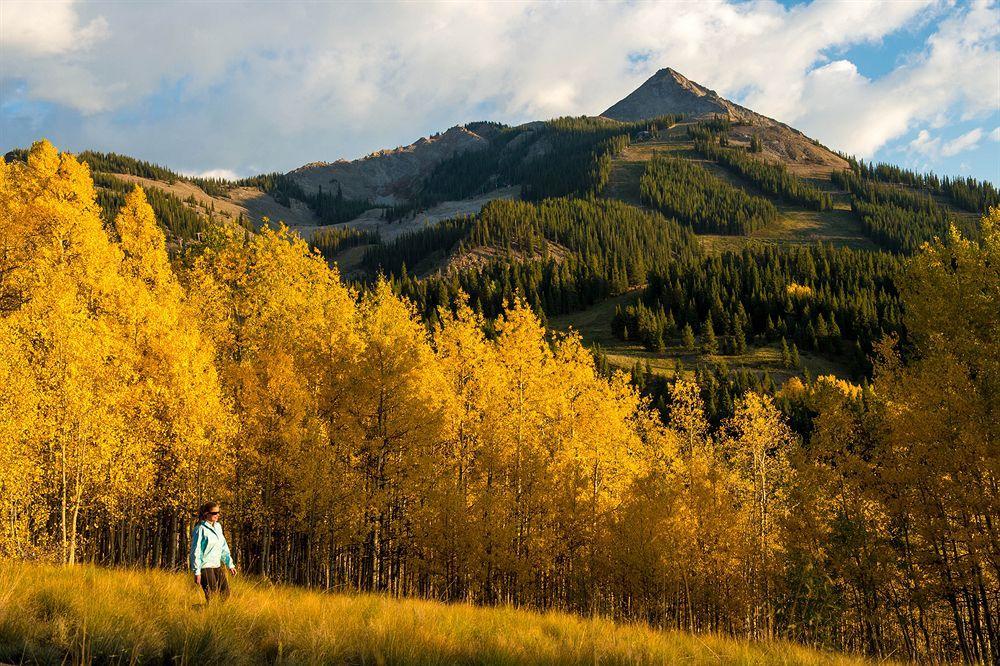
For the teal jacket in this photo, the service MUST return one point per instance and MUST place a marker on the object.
(208, 547)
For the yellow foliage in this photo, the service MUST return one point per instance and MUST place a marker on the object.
(834, 383)
(799, 292)
(103, 362)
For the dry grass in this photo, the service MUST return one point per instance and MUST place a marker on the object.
(54, 615)
(250, 202)
(798, 226)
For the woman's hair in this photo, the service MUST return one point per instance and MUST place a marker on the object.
(205, 509)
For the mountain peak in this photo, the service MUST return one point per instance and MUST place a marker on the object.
(675, 75)
(667, 92)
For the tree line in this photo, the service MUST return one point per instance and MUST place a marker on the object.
(561, 157)
(111, 163)
(821, 298)
(688, 192)
(332, 241)
(180, 220)
(897, 218)
(560, 255)
(771, 178)
(329, 207)
(353, 448)
(973, 195)
(418, 248)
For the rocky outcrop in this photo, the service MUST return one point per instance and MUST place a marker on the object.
(388, 176)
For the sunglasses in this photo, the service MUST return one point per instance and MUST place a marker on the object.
(213, 513)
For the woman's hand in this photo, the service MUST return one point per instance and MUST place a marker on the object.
(232, 570)
(197, 579)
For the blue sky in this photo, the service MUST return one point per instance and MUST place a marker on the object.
(237, 89)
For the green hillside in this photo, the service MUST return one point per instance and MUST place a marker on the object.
(751, 194)
(605, 205)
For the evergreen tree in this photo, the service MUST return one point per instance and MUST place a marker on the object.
(709, 345)
(772, 178)
(688, 191)
(659, 346)
(687, 338)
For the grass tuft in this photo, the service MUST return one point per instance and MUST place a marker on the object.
(57, 615)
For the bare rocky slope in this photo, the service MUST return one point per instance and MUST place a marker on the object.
(387, 176)
(250, 202)
(669, 91)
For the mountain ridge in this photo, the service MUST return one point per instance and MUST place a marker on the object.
(393, 176)
(387, 176)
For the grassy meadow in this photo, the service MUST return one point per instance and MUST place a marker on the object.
(84, 614)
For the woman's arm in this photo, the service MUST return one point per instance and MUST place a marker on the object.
(227, 557)
(196, 558)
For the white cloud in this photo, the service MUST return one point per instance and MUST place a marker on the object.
(267, 86)
(933, 147)
(995, 134)
(925, 145)
(860, 115)
(967, 141)
(224, 174)
(46, 28)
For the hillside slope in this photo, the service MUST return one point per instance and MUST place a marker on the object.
(250, 202)
(51, 615)
(387, 176)
(669, 91)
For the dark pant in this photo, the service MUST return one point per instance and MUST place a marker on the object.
(215, 583)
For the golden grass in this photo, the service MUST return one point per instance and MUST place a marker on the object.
(86, 614)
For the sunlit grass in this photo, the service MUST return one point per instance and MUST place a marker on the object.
(71, 615)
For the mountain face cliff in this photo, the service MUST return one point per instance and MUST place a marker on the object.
(387, 176)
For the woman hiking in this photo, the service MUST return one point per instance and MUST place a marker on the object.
(209, 551)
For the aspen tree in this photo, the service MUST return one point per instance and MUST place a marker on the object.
(467, 485)
(179, 407)
(939, 412)
(285, 329)
(65, 292)
(524, 406)
(397, 405)
(758, 443)
(20, 447)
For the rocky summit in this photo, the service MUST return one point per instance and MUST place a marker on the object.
(668, 91)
